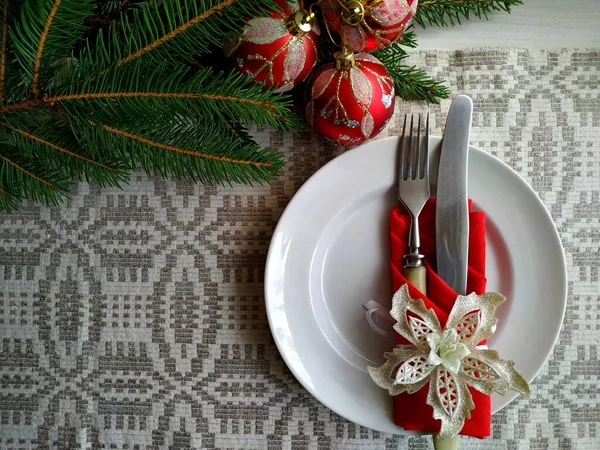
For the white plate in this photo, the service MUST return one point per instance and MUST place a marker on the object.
(330, 254)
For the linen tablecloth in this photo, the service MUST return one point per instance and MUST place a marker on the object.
(135, 318)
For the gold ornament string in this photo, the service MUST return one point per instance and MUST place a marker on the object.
(343, 44)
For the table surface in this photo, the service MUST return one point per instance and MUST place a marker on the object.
(135, 318)
(549, 24)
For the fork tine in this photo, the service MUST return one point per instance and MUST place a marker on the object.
(425, 157)
(407, 153)
(409, 149)
(402, 167)
(413, 150)
(420, 161)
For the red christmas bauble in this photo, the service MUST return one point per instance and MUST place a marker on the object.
(279, 50)
(368, 25)
(350, 100)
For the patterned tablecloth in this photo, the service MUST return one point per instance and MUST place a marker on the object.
(135, 318)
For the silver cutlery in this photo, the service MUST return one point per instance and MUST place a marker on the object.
(452, 210)
(413, 192)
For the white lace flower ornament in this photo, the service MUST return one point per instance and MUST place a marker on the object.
(448, 359)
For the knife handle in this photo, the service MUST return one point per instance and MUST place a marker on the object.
(418, 277)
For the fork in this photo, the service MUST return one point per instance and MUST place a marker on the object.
(413, 192)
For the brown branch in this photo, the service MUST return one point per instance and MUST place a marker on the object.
(167, 37)
(101, 20)
(233, 131)
(22, 105)
(26, 172)
(60, 149)
(3, 192)
(123, 3)
(61, 98)
(182, 150)
(40, 51)
(109, 95)
(446, 3)
(3, 50)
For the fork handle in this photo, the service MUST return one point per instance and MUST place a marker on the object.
(417, 276)
(446, 444)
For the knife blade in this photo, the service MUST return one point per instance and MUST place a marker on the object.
(452, 211)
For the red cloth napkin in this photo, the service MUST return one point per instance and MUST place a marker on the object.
(411, 411)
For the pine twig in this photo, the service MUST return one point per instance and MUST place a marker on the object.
(122, 5)
(412, 83)
(408, 39)
(184, 151)
(27, 178)
(3, 49)
(40, 49)
(193, 25)
(450, 12)
(39, 35)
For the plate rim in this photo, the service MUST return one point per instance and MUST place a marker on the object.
(270, 258)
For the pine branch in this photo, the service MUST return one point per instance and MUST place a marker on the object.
(12, 86)
(45, 31)
(26, 178)
(392, 54)
(99, 106)
(408, 39)
(8, 202)
(411, 83)
(122, 5)
(40, 49)
(4, 27)
(50, 141)
(450, 12)
(122, 91)
(171, 149)
(192, 25)
(112, 9)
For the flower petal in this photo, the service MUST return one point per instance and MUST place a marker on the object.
(384, 374)
(487, 373)
(412, 371)
(472, 317)
(451, 401)
(414, 321)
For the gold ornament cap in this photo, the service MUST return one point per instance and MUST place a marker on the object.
(344, 58)
(353, 12)
(301, 22)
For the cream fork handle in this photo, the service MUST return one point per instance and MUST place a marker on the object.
(418, 277)
(446, 444)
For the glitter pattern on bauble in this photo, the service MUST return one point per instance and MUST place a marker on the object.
(351, 102)
(373, 25)
(274, 51)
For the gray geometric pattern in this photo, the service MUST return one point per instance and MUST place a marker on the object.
(135, 319)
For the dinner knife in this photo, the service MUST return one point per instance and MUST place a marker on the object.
(452, 210)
